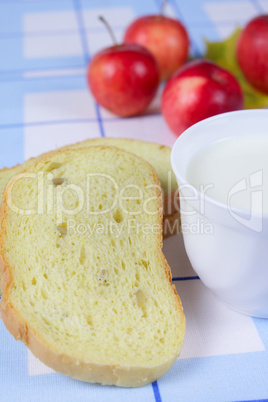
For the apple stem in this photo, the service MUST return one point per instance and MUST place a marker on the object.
(109, 29)
(163, 5)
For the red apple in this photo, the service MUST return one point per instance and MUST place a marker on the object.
(123, 78)
(165, 37)
(252, 52)
(198, 90)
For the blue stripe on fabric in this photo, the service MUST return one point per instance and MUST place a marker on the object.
(157, 395)
(231, 377)
(11, 47)
(11, 15)
(32, 69)
(44, 78)
(196, 50)
(253, 400)
(257, 6)
(262, 327)
(71, 121)
(85, 46)
(18, 2)
(81, 30)
(12, 147)
(100, 120)
(140, 7)
(193, 11)
(9, 58)
(12, 141)
(185, 278)
(46, 123)
(19, 34)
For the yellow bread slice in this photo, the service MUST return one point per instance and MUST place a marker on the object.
(157, 155)
(85, 284)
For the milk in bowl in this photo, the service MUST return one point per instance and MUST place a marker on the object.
(234, 171)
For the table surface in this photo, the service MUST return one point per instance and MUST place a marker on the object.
(45, 46)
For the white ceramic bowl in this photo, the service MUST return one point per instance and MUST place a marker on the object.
(231, 259)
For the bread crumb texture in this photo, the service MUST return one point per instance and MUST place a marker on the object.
(84, 277)
(156, 154)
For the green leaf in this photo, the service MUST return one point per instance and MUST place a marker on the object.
(224, 54)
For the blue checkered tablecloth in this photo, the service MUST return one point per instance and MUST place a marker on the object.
(45, 46)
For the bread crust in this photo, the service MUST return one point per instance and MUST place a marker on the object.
(76, 368)
(169, 200)
(106, 374)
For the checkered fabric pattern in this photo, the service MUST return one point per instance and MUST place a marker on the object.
(45, 46)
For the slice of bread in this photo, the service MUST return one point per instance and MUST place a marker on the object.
(85, 284)
(157, 155)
